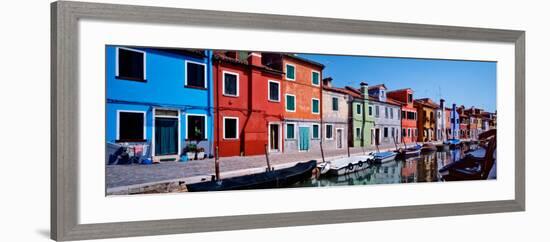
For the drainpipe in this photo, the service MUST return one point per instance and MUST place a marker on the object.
(210, 108)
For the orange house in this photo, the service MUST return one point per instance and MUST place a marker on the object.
(409, 133)
(302, 98)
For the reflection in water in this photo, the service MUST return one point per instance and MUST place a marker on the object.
(423, 168)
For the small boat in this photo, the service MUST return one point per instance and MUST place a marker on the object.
(381, 157)
(428, 147)
(453, 143)
(347, 165)
(476, 165)
(442, 147)
(269, 179)
(409, 152)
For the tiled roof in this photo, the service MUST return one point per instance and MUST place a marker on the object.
(221, 57)
(426, 102)
(377, 86)
(335, 89)
(305, 60)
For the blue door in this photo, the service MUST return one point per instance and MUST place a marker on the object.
(304, 138)
(166, 136)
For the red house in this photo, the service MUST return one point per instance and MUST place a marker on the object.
(409, 132)
(243, 113)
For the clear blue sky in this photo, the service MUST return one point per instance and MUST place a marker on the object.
(468, 83)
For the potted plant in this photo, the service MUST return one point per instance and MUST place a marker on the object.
(191, 151)
(200, 153)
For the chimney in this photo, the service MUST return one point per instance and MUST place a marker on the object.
(327, 82)
(364, 89)
(231, 54)
(255, 59)
(442, 104)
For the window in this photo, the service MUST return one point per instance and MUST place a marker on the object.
(290, 72)
(391, 113)
(230, 128)
(403, 133)
(386, 112)
(409, 132)
(230, 84)
(358, 109)
(403, 114)
(314, 106)
(334, 104)
(377, 111)
(290, 131)
(290, 103)
(274, 89)
(195, 74)
(358, 133)
(370, 110)
(315, 78)
(328, 131)
(392, 132)
(385, 132)
(410, 98)
(315, 132)
(130, 64)
(131, 126)
(196, 127)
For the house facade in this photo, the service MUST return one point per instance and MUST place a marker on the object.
(335, 116)
(159, 98)
(361, 116)
(302, 95)
(426, 122)
(248, 104)
(455, 123)
(441, 122)
(387, 116)
(409, 132)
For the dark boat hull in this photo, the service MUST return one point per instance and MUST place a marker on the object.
(271, 179)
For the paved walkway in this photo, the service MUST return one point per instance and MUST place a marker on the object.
(122, 176)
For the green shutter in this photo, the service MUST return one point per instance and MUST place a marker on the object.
(290, 131)
(315, 104)
(315, 78)
(335, 104)
(290, 103)
(315, 131)
(290, 72)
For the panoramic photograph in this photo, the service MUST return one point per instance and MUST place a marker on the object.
(196, 120)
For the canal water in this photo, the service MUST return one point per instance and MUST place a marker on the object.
(423, 168)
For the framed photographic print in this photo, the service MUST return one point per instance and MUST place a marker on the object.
(169, 120)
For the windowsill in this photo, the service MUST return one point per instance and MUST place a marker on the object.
(274, 101)
(229, 95)
(124, 78)
(290, 79)
(195, 87)
(231, 139)
(290, 111)
(130, 141)
(196, 140)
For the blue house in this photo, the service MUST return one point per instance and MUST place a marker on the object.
(455, 123)
(160, 99)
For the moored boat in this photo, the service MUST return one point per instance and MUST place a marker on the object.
(347, 165)
(381, 157)
(428, 147)
(453, 143)
(442, 147)
(476, 165)
(409, 152)
(269, 179)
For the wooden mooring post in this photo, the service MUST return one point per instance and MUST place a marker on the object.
(322, 152)
(217, 163)
(267, 158)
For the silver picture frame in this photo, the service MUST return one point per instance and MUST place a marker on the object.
(64, 118)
